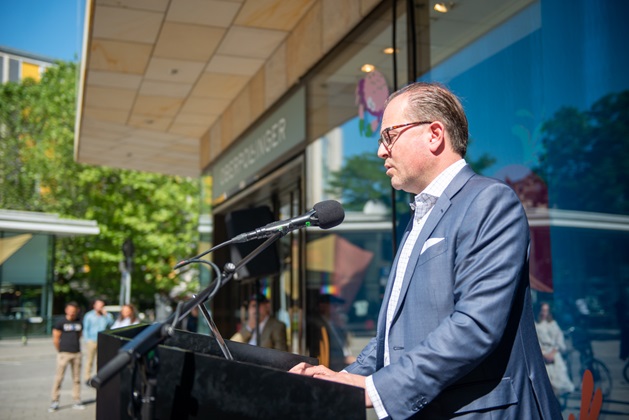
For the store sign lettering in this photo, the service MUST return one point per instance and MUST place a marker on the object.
(250, 154)
(266, 144)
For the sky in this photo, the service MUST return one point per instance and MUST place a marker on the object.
(50, 28)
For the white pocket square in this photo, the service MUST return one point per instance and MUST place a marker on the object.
(430, 242)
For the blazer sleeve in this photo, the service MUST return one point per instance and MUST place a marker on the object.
(365, 363)
(485, 266)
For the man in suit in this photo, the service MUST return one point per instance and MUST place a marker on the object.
(455, 335)
(272, 332)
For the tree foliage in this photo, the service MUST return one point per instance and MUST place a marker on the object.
(359, 180)
(38, 173)
(584, 155)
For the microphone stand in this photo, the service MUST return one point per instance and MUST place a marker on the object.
(156, 333)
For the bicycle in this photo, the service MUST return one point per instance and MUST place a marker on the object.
(578, 341)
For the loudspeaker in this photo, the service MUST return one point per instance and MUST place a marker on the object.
(240, 221)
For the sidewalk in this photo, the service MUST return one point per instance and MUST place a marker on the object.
(26, 376)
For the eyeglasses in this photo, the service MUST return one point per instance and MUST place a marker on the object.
(385, 137)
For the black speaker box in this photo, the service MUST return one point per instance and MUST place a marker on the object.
(240, 221)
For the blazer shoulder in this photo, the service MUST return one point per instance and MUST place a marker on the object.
(470, 182)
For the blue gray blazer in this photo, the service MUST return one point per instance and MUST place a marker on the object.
(462, 341)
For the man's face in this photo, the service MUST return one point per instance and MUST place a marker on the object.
(99, 305)
(265, 308)
(405, 161)
(71, 312)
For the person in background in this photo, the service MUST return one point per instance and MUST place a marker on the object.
(66, 337)
(127, 317)
(328, 338)
(552, 344)
(455, 335)
(272, 331)
(95, 321)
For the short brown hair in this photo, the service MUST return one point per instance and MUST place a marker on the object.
(434, 102)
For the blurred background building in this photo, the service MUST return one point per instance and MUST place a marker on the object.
(18, 65)
(27, 243)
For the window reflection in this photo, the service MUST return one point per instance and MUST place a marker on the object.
(549, 115)
(553, 125)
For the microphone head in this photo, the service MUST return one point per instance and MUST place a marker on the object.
(329, 213)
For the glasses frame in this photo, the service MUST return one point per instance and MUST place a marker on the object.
(385, 137)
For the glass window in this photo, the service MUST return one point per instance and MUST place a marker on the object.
(20, 307)
(14, 70)
(347, 267)
(546, 91)
(549, 115)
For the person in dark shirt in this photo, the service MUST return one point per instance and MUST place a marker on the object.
(66, 336)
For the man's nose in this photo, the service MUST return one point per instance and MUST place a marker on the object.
(383, 153)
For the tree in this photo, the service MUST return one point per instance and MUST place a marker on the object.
(359, 180)
(38, 173)
(584, 155)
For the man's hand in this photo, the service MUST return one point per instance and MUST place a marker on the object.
(322, 372)
(251, 323)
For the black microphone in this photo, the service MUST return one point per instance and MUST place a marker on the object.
(325, 214)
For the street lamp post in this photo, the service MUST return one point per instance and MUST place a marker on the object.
(125, 268)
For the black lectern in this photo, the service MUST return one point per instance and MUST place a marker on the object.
(195, 381)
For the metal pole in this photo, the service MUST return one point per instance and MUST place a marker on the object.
(127, 296)
(122, 283)
(126, 266)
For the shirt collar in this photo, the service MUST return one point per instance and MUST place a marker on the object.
(440, 183)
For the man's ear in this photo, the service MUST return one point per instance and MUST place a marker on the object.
(437, 136)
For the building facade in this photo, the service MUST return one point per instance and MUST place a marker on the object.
(546, 92)
(16, 65)
(543, 119)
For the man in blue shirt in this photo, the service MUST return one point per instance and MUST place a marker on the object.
(95, 321)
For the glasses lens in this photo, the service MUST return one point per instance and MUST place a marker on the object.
(384, 138)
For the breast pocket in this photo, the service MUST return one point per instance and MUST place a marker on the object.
(430, 242)
(432, 248)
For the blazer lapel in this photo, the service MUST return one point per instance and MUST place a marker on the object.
(437, 213)
(382, 316)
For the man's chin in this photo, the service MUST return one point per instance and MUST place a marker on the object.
(396, 185)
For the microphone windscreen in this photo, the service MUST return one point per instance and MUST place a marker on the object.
(330, 213)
